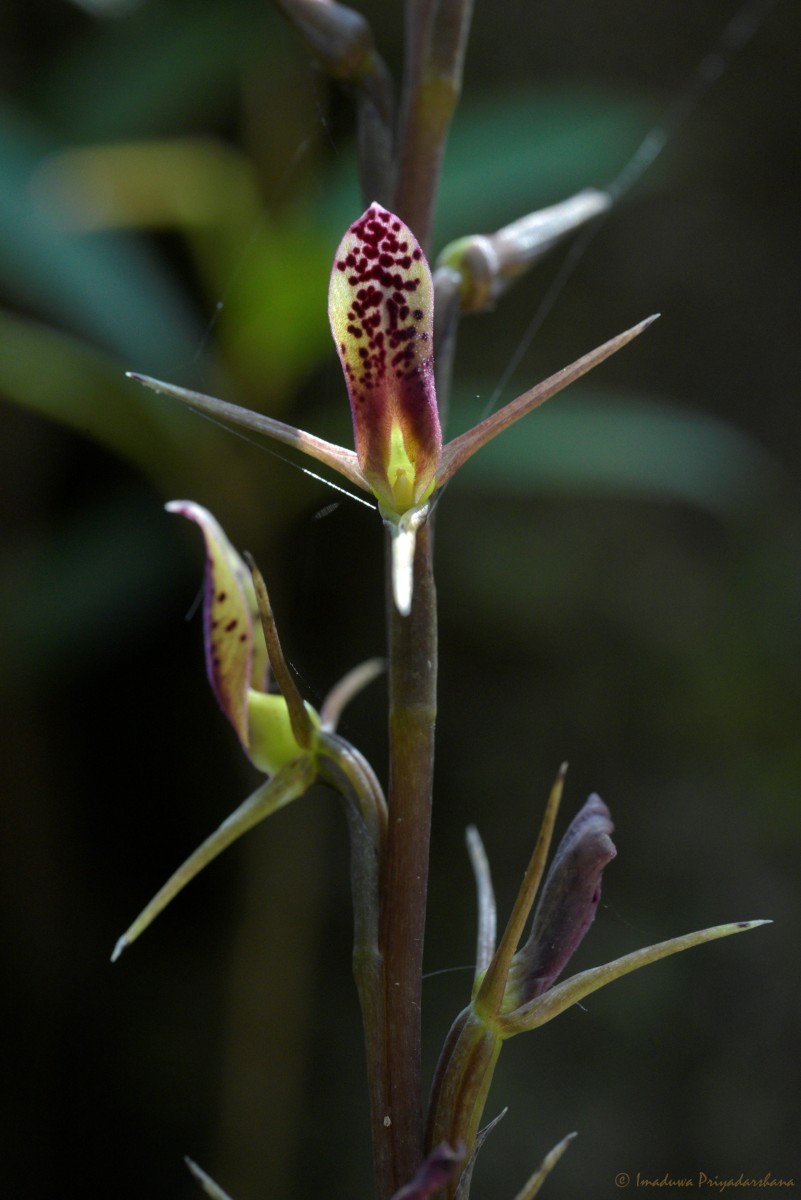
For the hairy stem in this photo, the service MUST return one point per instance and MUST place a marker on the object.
(398, 1132)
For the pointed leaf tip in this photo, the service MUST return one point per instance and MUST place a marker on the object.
(212, 1189)
(121, 945)
(534, 1184)
(564, 995)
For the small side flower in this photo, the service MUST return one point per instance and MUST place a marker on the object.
(237, 662)
(282, 735)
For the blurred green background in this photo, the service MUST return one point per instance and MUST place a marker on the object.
(618, 578)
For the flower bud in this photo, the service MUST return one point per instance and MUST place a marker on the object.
(567, 906)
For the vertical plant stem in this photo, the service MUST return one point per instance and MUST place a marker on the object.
(435, 47)
(412, 713)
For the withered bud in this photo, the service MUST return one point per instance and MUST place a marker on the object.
(567, 906)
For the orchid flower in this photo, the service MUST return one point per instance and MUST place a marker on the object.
(284, 737)
(237, 662)
(515, 990)
(381, 310)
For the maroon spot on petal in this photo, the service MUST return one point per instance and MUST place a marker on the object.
(232, 624)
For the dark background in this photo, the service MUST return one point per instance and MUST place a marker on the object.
(618, 580)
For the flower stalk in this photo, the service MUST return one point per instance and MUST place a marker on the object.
(436, 42)
(404, 877)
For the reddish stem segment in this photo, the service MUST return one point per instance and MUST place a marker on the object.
(413, 676)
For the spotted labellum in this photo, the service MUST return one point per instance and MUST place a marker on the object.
(381, 308)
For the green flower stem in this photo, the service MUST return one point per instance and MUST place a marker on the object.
(467, 1062)
(461, 1085)
(344, 769)
(398, 1131)
(446, 326)
(435, 48)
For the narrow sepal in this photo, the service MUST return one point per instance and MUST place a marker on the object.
(458, 451)
(289, 783)
(348, 687)
(564, 995)
(212, 1189)
(532, 1186)
(337, 458)
(466, 1177)
(485, 894)
(301, 717)
(490, 995)
(381, 309)
(236, 654)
